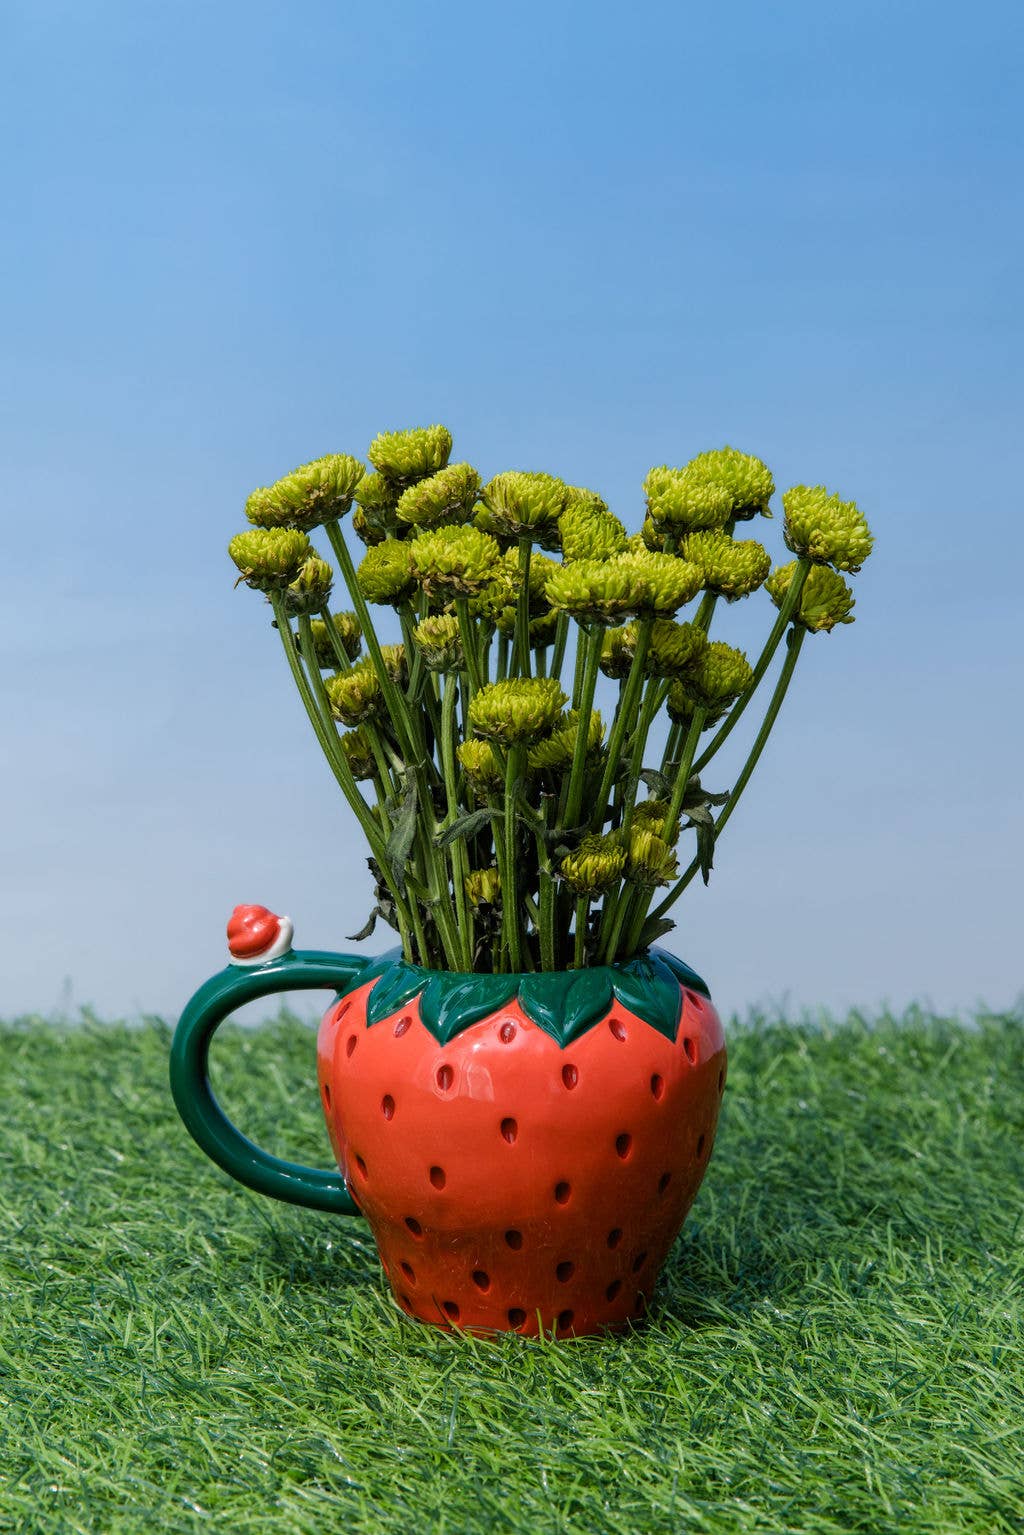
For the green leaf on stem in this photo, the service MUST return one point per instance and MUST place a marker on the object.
(403, 833)
(466, 826)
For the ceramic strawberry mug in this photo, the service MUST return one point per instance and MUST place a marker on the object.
(525, 1147)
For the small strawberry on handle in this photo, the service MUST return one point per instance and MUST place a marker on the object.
(257, 935)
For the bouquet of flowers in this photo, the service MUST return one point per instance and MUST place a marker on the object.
(512, 825)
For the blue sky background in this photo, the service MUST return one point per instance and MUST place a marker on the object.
(589, 239)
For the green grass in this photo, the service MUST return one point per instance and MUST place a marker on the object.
(836, 1344)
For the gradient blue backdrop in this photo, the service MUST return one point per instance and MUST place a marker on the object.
(589, 239)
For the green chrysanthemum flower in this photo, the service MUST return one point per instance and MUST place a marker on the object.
(825, 529)
(454, 562)
(825, 599)
(673, 650)
(314, 493)
(445, 498)
(594, 866)
(617, 652)
(542, 629)
(597, 591)
(483, 887)
(590, 534)
(678, 502)
(652, 815)
(269, 558)
(747, 479)
(716, 679)
(542, 619)
(651, 861)
(385, 574)
(375, 517)
(347, 630)
(437, 640)
(311, 589)
(517, 712)
(521, 505)
(405, 457)
(668, 582)
(358, 754)
(731, 567)
(555, 754)
(480, 765)
(357, 696)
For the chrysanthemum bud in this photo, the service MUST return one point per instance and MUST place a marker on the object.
(375, 518)
(480, 765)
(651, 861)
(555, 753)
(617, 652)
(311, 589)
(483, 887)
(542, 629)
(652, 815)
(438, 641)
(454, 562)
(825, 529)
(667, 582)
(358, 754)
(518, 711)
(651, 537)
(385, 573)
(366, 531)
(356, 696)
(405, 457)
(747, 479)
(314, 493)
(673, 647)
(594, 866)
(269, 558)
(346, 628)
(718, 677)
(597, 591)
(825, 598)
(679, 502)
(588, 534)
(731, 567)
(446, 497)
(522, 505)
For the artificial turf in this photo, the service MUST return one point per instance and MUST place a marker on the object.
(836, 1344)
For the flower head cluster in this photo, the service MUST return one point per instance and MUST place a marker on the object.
(731, 567)
(825, 529)
(315, 493)
(311, 588)
(439, 643)
(556, 751)
(269, 558)
(347, 636)
(651, 860)
(595, 865)
(825, 599)
(680, 503)
(385, 574)
(519, 505)
(446, 497)
(375, 517)
(747, 480)
(480, 765)
(717, 678)
(357, 696)
(358, 753)
(517, 712)
(590, 532)
(483, 887)
(405, 457)
(453, 562)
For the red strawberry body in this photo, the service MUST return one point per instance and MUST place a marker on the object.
(512, 1182)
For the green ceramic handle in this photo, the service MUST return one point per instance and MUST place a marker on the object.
(204, 1118)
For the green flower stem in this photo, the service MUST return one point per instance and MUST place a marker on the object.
(457, 851)
(672, 745)
(789, 607)
(580, 663)
(794, 642)
(684, 769)
(546, 922)
(643, 729)
(627, 703)
(558, 653)
(579, 949)
(344, 665)
(521, 644)
(705, 612)
(405, 723)
(612, 919)
(336, 759)
(590, 644)
(469, 650)
(510, 892)
(501, 660)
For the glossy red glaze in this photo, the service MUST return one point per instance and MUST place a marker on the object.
(514, 1185)
(251, 929)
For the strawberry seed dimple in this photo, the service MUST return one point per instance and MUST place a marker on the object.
(509, 1130)
(691, 1051)
(387, 1106)
(663, 1182)
(403, 1026)
(565, 1271)
(721, 1081)
(351, 1043)
(413, 1225)
(362, 1168)
(617, 1028)
(408, 1271)
(623, 1145)
(700, 1145)
(570, 1077)
(565, 1319)
(639, 1261)
(445, 1077)
(658, 1086)
(615, 1236)
(327, 1094)
(516, 1317)
(437, 1177)
(514, 1239)
(451, 1308)
(613, 1289)
(482, 1280)
(562, 1192)
(507, 1033)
